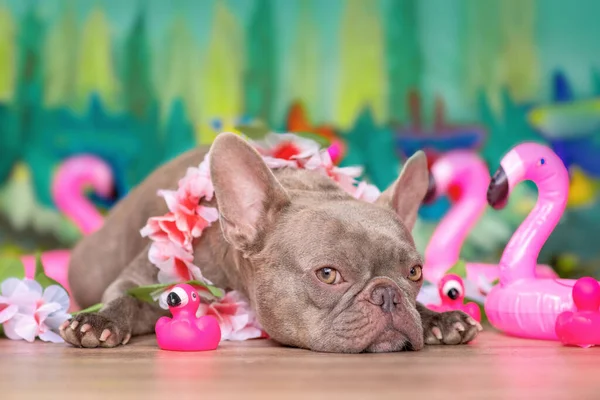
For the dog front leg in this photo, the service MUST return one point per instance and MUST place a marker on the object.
(452, 327)
(122, 316)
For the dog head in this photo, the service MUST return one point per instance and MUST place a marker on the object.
(323, 270)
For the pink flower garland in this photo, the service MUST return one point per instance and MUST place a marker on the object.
(173, 234)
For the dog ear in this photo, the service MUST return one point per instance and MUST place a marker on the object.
(406, 194)
(248, 194)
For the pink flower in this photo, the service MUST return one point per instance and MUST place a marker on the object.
(345, 176)
(175, 263)
(285, 149)
(236, 318)
(29, 311)
(173, 233)
(366, 192)
(164, 229)
(197, 183)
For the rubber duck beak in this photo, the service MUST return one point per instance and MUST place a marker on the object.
(497, 194)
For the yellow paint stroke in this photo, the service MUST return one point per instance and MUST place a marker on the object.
(362, 62)
(96, 71)
(582, 190)
(8, 58)
(221, 84)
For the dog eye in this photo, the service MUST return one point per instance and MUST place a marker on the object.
(329, 276)
(416, 273)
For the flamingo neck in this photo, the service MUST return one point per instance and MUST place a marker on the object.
(82, 213)
(68, 190)
(182, 314)
(443, 250)
(521, 253)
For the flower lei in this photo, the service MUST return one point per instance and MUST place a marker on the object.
(173, 234)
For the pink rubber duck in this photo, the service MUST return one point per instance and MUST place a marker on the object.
(581, 327)
(452, 293)
(186, 332)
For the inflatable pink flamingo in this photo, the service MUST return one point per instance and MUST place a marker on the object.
(523, 304)
(470, 174)
(67, 191)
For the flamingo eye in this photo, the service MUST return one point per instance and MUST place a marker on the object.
(453, 289)
(541, 162)
(194, 296)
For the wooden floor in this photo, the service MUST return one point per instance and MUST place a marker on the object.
(494, 367)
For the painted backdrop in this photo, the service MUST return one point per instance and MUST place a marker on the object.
(135, 83)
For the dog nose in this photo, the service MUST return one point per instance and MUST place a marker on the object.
(173, 299)
(385, 297)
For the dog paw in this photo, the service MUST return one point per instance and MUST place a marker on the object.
(452, 327)
(94, 330)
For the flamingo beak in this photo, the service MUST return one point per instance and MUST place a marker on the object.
(498, 190)
(430, 196)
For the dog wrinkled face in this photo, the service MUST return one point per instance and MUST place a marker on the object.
(346, 279)
(327, 272)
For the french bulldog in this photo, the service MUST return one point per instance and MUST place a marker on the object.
(322, 270)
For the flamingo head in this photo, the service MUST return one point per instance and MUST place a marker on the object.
(183, 297)
(527, 161)
(453, 171)
(451, 289)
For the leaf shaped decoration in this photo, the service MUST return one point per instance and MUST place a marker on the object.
(460, 269)
(256, 130)
(11, 267)
(91, 309)
(149, 293)
(321, 140)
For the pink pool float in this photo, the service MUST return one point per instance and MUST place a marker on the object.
(185, 331)
(452, 294)
(468, 172)
(582, 327)
(70, 182)
(523, 304)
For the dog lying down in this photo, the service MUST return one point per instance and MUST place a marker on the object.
(321, 270)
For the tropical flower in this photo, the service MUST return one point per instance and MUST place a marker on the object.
(281, 150)
(173, 233)
(28, 311)
(175, 263)
(236, 318)
(366, 192)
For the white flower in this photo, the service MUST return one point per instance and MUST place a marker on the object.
(29, 311)
(367, 192)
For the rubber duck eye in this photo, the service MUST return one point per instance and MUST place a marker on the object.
(452, 289)
(542, 161)
(177, 298)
